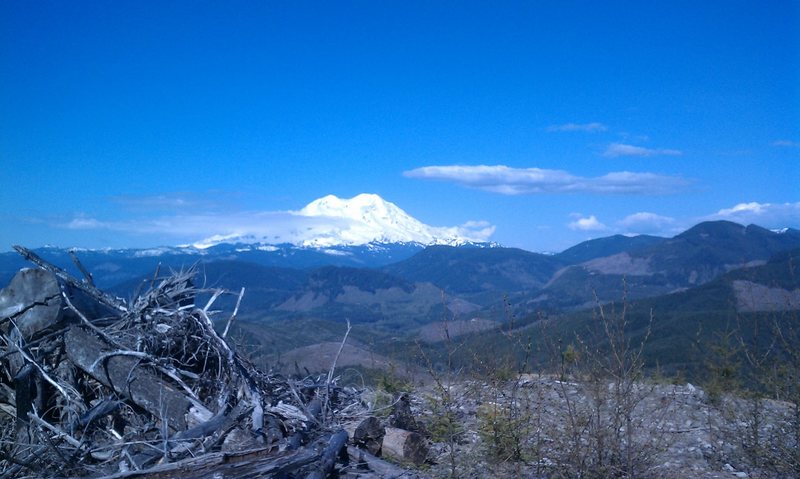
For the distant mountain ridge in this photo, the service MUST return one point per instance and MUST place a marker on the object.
(417, 283)
(610, 245)
(690, 259)
(110, 267)
(465, 271)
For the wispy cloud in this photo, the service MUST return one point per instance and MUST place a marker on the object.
(644, 217)
(521, 181)
(786, 144)
(83, 222)
(588, 127)
(259, 226)
(622, 149)
(647, 222)
(589, 223)
(273, 225)
(768, 215)
(208, 201)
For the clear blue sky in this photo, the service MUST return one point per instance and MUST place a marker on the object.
(145, 123)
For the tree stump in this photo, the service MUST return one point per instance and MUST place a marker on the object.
(404, 446)
(369, 435)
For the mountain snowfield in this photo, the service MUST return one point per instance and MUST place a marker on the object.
(364, 219)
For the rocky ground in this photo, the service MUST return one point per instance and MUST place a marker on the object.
(535, 426)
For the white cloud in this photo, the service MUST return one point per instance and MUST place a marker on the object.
(646, 222)
(744, 208)
(520, 181)
(786, 143)
(276, 226)
(83, 222)
(644, 218)
(589, 127)
(587, 224)
(622, 149)
(768, 215)
(214, 200)
(476, 229)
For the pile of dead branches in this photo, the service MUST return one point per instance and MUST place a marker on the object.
(92, 385)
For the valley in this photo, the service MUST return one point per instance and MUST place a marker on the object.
(400, 294)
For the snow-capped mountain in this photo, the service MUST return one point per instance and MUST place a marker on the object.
(364, 219)
(363, 231)
(369, 219)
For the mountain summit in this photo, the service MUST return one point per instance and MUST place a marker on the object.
(368, 218)
(332, 222)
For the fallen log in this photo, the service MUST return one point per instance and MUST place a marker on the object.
(330, 455)
(37, 302)
(404, 446)
(368, 434)
(362, 461)
(31, 303)
(127, 378)
(89, 289)
(251, 464)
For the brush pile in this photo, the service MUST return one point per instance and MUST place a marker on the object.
(94, 386)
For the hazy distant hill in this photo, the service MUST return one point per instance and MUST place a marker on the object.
(405, 284)
(697, 284)
(365, 295)
(471, 271)
(709, 249)
(687, 260)
(114, 266)
(610, 245)
(685, 325)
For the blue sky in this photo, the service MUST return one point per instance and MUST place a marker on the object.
(150, 123)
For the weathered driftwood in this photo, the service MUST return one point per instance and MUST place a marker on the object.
(404, 446)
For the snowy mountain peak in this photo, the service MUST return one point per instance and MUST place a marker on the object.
(363, 206)
(368, 218)
(331, 221)
(369, 209)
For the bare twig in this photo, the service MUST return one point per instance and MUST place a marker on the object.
(213, 298)
(330, 373)
(86, 274)
(55, 430)
(233, 316)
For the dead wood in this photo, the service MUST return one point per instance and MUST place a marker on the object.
(127, 376)
(365, 463)
(404, 446)
(87, 276)
(243, 464)
(94, 386)
(31, 303)
(89, 289)
(368, 434)
(335, 449)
